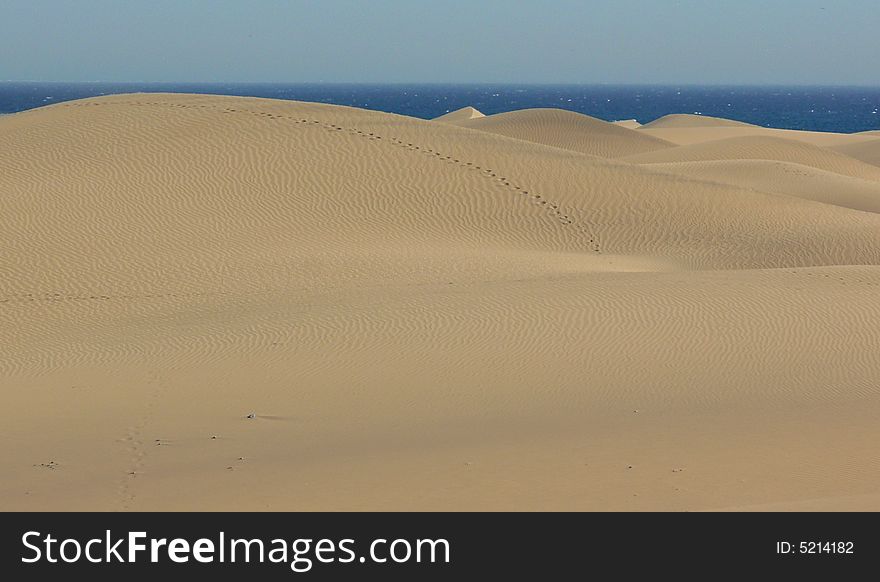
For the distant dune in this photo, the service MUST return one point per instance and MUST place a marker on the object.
(681, 120)
(567, 130)
(867, 151)
(463, 114)
(713, 129)
(628, 123)
(246, 304)
(763, 148)
(786, 178)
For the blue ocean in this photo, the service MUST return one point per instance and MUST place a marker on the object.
(838, 109)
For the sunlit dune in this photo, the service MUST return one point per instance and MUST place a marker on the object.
(236, 303)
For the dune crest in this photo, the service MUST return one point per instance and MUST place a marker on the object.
(694, 134)
(786, 178)
(628, 123)
(568, 130)
(459, 115)
(682, 120)
(762, 148)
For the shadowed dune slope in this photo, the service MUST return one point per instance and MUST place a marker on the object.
(868, 151)
(567, 130)
(234, 303)
(762, 148)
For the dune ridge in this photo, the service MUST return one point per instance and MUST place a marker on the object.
(567, 130)
(682, 120)
(237, 303)
(459, 115)
(785, 178)
(628, 123)
(695, 134)
(762, 148)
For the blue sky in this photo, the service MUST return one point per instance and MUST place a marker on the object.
(562, 41)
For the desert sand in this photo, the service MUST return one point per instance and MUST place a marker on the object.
(628, 123)
(563, 129)
(459, 115)
(690, 129)
(866, 151)
(235, 303)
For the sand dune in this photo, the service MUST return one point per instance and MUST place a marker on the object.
(868, 151)
(694, 134)
(682, 120)
(763, 148)
(418, 315)
(567, 130)
(785, 178)
(463, 114)
(628, 123)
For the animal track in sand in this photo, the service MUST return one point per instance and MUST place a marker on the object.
(135, 443)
